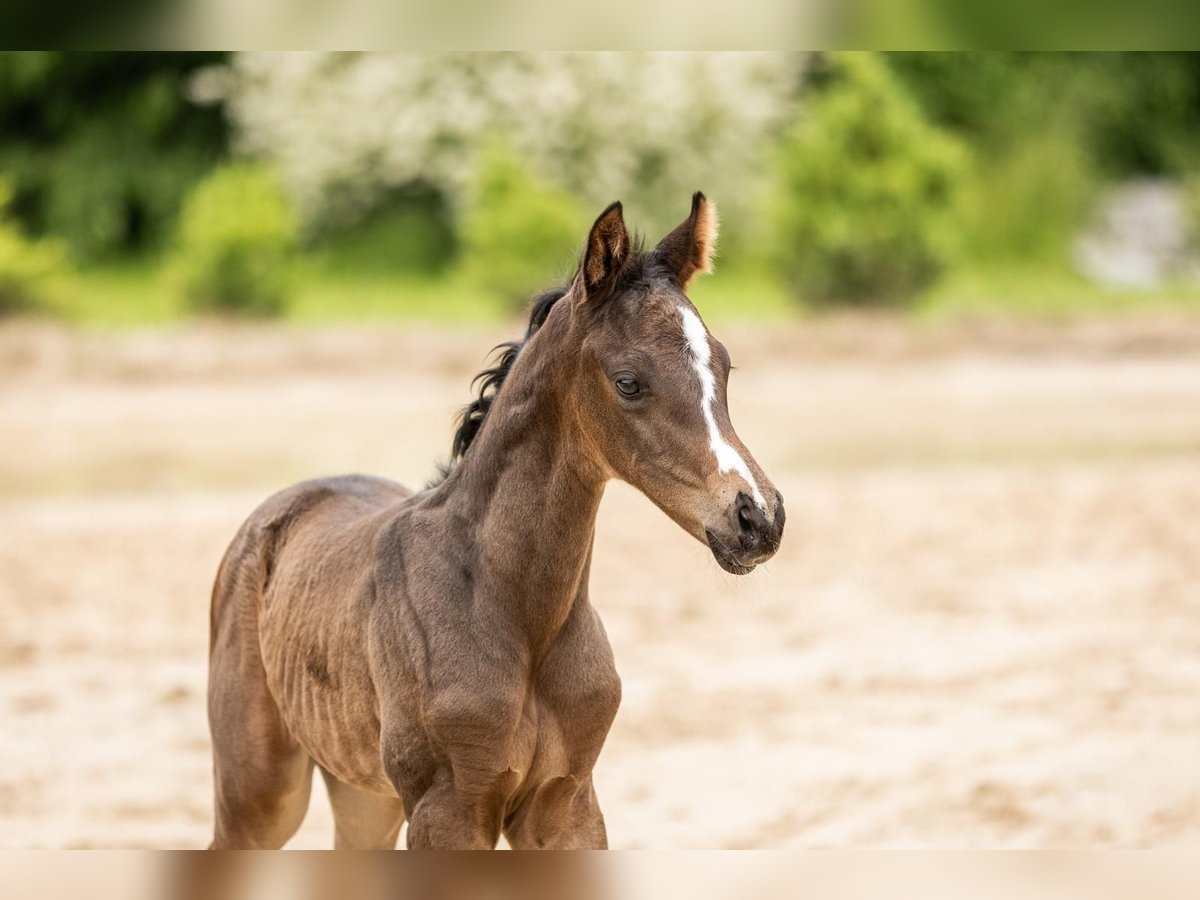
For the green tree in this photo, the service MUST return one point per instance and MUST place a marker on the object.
(100, 148)
(1049, 129)
(519, 233)
(1135, 113)
(25, 264)
(866, 190)
(236, 243)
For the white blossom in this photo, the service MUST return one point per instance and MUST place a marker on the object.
(647, 128)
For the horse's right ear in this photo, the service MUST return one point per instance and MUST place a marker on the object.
(606, 252)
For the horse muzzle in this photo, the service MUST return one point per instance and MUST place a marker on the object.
(748, 536)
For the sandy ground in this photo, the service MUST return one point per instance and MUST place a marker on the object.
(983, 628)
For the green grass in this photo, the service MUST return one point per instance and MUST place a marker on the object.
(117, 295)
(734, 293)
(1044, 294)
(372, 297)
(128, 294)
(136, 293)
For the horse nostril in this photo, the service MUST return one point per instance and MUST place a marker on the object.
(748, 523)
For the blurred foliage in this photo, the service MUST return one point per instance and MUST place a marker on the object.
(646, 128)
(866, 192)
(519, 232)
(100, 148)
(896, 166)
(411, 231)
(1191, 212)
(1137, 112)
(1049, 130)
(236, 243)
(1026, 206)
(25, 264)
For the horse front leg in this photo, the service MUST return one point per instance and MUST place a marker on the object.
(563, 814)
(451, 803)
(449, 818)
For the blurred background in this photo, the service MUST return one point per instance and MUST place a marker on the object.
(962, 292)
(145, 188)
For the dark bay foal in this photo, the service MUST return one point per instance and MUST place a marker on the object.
(435, 653)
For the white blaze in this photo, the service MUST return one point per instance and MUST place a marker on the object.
(728, 459)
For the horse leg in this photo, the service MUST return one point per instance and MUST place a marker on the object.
(448, 819)
(562, 815)
(362, 820)
(262, 776)
(444, 821)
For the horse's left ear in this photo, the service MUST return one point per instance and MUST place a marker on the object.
(690, 247)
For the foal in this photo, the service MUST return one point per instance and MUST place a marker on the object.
(435, 654)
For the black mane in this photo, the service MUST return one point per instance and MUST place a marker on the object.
(470, 420)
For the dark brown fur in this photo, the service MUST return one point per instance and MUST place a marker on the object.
(435, 654)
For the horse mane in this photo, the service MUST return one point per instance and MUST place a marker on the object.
(491, 380)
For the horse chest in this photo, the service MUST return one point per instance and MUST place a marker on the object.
(570, 720)
(520, 733)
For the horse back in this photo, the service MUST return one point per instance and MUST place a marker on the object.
(252, 559)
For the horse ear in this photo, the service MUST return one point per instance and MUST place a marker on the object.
(690, 247)
(607, 250)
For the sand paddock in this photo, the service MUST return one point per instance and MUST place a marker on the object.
(983, 628)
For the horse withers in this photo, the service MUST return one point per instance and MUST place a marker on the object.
(435, 653)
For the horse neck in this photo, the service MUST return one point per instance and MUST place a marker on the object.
(527, 492)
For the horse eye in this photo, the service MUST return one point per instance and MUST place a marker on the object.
(628, 387)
